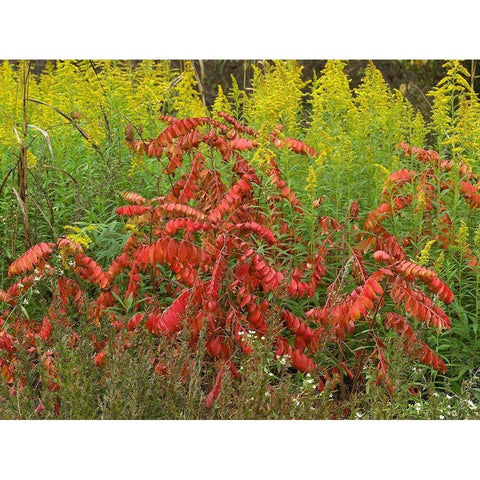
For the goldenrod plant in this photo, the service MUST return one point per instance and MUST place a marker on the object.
(277, 95)
(187, 100)
(455, 113)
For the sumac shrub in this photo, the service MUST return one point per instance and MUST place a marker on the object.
(218, 257)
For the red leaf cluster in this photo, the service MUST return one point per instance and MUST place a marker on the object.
(32, 258)
(232, 265)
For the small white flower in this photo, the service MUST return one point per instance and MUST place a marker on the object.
(262, 338)
(267, 394)
(418, 407)
(441, 417)
(471, 405)
(241, 332)
(448, 396)
(270, 374)
(435, 394)
(25, 301)
(296, 401)
(359, 414)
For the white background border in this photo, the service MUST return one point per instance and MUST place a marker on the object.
(246, 29)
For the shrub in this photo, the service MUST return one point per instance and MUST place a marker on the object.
(219, 260)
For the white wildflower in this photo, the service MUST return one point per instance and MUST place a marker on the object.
(283, 359)
(471, 405)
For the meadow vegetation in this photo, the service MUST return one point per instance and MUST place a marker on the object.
(298, 249)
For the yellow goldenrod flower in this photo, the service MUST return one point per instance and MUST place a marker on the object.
(311, 184)
(424, 257)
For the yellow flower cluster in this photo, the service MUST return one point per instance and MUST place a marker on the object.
(277, 96)
(8, 102)
(456, 114)
(187, 101)
(359, 128)
(221, 103)
(264, 152)
(462, 235)
(439, 262)
(424, 256)
(90, 93)
(311, 183)
(237, 98)
(349, 128)
(80, 235)
(331, 103)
